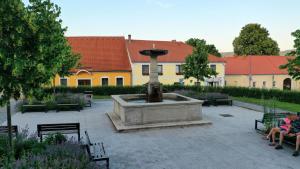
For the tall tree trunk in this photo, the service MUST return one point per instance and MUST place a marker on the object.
(8, 111)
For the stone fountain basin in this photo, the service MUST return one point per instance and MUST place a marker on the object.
(133, 110)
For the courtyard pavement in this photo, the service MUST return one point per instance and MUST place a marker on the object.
(229, 143)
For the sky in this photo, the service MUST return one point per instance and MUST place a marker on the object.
(216, 21)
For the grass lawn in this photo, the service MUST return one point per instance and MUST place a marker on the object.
(282, 105)
(101, 97)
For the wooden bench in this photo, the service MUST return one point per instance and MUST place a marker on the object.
(63, 128)
(67, 107)
(215, 99)
(96, 151)
(271, 117)
(222, 101)
(34, 108)
(4, 130)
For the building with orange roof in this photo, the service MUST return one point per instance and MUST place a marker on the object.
(259, 71)
(104, 62)
(170, 65)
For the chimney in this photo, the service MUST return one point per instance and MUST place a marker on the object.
(129, 38)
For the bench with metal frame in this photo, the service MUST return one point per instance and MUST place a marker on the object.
(34, 108)
(215, 99)
(270, 117)
(63, 128)
(4, 130)
(96, 151)
(67, 107)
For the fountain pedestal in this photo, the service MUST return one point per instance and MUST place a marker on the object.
(154, 91)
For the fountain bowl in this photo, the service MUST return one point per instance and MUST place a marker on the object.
(131, 111)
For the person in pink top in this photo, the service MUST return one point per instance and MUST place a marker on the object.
(284, 128)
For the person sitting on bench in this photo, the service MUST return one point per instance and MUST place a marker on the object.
(285, 127)
(294, 131)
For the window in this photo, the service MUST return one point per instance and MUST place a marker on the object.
(179, 70)
(145, 69)
(264, 84)
(254, 84)
(213, 67)
(84, 82)
(160, 69)
(119, 81)
(104, 81)
(274, 84)
(225, 83)
(63, 82)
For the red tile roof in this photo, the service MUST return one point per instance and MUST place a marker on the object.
(255, 65)
(101, 53)
(177, 51)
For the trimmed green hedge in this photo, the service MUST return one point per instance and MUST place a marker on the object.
(280, 95)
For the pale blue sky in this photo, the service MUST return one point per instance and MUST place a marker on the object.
(217, 21)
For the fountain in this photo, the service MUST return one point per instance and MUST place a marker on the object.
(154, 92)
(155, 109)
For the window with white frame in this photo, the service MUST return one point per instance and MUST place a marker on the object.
(160, 69)
(264, 84)
(254, 84)
(63, 82)
(179, 70)
(145, 70)
(104, 81)
(119, 81)
(84, 82)
(213, 67)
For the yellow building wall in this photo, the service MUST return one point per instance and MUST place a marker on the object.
(243, 81)
(169, 74)
(96, 78)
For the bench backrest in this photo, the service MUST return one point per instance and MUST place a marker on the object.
(58, 127)
(212, 96)
(274, 116)
(4, 129)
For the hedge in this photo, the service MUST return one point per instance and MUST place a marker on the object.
(280, 95)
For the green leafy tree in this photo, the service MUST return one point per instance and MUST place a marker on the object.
(196, 64)
(291, 53)
(211, 49)
(254, 40)
(293, 65)
(33, 49)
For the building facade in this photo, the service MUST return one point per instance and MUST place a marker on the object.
(170, 65)
(104, 62)
(259, 72)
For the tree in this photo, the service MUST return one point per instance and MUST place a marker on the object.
(291, 53)
(33, 49)
(254, 40)
(211, 49)
(196, 64)
(293, 65)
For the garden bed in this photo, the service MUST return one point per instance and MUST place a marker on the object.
(55, 152)
(54, 102)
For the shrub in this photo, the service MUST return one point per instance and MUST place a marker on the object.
(54, 152)
(57, 138)
(280, 95)
(67, 155)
